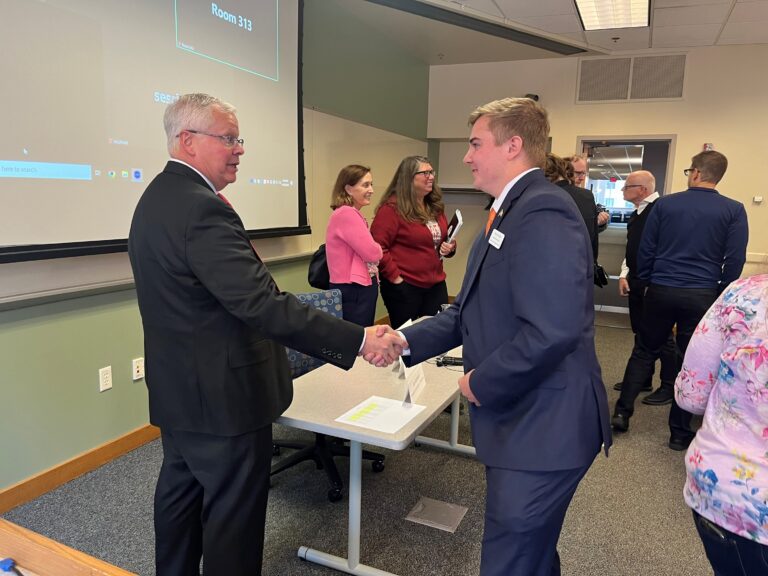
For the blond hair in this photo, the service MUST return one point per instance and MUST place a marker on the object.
(521, 117)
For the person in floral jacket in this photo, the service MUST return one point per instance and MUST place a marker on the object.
(725, 377)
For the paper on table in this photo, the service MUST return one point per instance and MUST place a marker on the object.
(414, 380)
(413, 376)
(381, 414)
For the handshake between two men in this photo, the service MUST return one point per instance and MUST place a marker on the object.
(383, 346)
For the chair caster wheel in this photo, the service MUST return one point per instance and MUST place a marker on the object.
(377, 465)
(335, 494)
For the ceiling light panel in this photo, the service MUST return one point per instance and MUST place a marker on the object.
(609, 14)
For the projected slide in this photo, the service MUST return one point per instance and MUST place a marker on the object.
(239, 33)
(85, 86)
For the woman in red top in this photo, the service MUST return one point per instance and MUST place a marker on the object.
(411, 227)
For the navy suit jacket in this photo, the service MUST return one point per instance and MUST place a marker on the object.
(525, 316)
(214, 321)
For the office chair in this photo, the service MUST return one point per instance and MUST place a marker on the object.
(324, 448)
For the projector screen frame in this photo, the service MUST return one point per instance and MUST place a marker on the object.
(35, 252)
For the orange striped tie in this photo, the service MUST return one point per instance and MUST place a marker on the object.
(491, 217)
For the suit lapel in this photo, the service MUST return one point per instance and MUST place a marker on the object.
(480, 248)
(183, 170)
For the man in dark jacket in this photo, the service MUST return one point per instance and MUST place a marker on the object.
(640, 189)
(215, 325)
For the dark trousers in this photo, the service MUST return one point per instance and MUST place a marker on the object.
(524, 513)
(670, 363)
(358, 303)
(211, 502)
(405, 301)
(665, 307)
(731, 554)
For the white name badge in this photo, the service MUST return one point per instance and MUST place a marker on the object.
(496, 239)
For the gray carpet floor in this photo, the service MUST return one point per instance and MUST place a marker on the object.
(628, 517)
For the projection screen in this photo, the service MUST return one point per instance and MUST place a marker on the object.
(85, 85)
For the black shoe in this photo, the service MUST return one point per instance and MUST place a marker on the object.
(661, 397)
(620, 422)
(679, 444)
(645, 388)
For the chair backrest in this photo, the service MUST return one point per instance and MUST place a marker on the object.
(328, 301)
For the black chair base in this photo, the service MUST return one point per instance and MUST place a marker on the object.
(322, 452)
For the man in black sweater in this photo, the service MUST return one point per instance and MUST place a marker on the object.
(640, 189)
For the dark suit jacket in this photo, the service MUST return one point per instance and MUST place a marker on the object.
(585, 202)
(214, 321)
(525, 317)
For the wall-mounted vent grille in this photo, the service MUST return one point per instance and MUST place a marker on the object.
(658, 76)
(604, 79)
(631, 78)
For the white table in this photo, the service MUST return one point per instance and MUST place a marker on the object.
(326, 393)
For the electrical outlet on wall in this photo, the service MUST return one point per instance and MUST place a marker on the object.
(137, 369)
(105, 378)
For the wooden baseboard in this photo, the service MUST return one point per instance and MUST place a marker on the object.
(47, 480)
(36, 554)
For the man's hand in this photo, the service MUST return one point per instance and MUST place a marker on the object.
(602, 218)
(623, 287)
(382, 329)
(466, 391)
(382, 345)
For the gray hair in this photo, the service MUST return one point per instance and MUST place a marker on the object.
(191, 112)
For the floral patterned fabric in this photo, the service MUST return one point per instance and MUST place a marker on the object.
(725, 377)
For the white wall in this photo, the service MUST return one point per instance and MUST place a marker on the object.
(725, 101)
(331, 143)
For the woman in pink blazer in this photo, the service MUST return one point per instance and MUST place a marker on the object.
(352, 253)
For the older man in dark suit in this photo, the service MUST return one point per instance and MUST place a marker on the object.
(538, 409)
(214, 328)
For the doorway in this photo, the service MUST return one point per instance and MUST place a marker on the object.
(609, 161)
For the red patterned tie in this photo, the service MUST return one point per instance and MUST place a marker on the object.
(228, 203)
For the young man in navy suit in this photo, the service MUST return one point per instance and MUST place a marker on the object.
(538, 406)
(215, 325)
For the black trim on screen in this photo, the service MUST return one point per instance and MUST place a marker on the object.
(32, 252)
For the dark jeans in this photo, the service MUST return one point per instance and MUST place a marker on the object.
(358, 303)
(729, 553)
(405, 301)
(665, 307)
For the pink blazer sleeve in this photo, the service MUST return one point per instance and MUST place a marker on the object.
(351, 228)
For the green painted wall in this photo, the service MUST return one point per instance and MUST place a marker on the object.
(353, 71)
(50, 357)
(49, 360)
